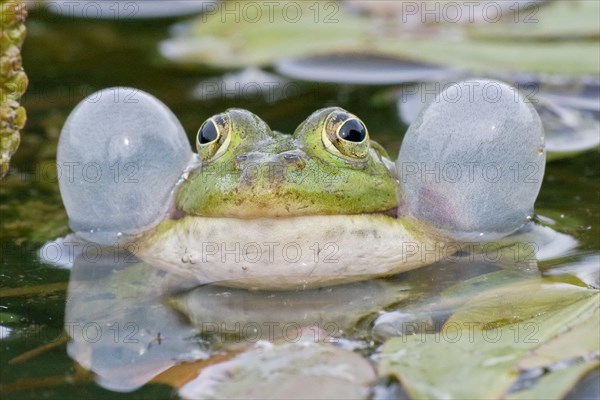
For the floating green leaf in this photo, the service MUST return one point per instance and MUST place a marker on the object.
(485, 46)
(586, 336)
(476, 353)
(558, 20)
(557, 384)
(527, 301)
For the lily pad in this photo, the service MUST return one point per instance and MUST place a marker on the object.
(362, 69)
(557, 384)
(483, 56)
(487, 337)
(301, 370)
(530, 300)
(260, 33)
(587, 336)
(557, 20)
(266, 34)
(517, 256)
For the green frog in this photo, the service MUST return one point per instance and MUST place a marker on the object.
(259, 209)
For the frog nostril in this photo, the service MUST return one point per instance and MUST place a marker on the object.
(291, 157)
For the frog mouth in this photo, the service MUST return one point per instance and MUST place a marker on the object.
(176, 214)
(392, 212)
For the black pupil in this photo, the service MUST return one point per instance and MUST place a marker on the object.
(208, 132)
(353, 131)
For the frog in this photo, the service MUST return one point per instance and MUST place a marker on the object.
(300, 202)
(263, 210)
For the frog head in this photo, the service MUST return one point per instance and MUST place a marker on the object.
(328, 166)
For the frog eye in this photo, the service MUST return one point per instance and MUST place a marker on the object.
(208, 132)
(352, 131)
(346, 136)
(213, 137)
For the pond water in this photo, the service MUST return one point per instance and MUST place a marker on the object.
(124, 326)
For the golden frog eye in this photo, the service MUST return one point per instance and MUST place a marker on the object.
(346, 136)
(213, 137)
